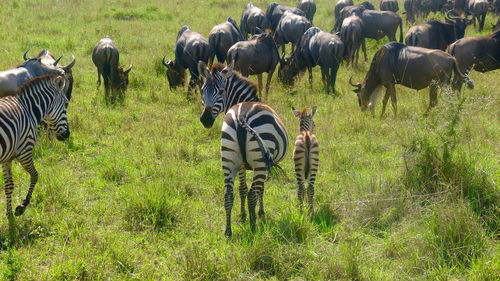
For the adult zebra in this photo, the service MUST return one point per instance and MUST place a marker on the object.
(39, 98)
(253, 136)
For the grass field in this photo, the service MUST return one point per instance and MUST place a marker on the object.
(136, 193)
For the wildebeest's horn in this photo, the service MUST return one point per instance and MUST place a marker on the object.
(70, 65)
(354, 85)
(25, 53)
(163, 61)
(258, 30)
(448, 16)
(128, 69)
(57, 61)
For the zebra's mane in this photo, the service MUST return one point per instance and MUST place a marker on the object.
(29, 82)
(219, 67)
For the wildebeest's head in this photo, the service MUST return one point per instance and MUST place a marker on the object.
(176, 74)
(123, 78)
(212, 91)
(368, 92)
(288, 70)
(459, 23)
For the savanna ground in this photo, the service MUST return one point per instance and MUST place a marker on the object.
(136, 193)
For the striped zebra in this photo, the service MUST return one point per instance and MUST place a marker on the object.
(253, 136)
(306, 156)
(38, 99)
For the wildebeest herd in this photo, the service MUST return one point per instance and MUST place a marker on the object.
(253, 136)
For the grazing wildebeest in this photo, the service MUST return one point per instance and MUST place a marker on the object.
(11, 80)
(47, 58)
(275, 11)
(351, 34)
(290, 29)
(107, 59)
(222, 37)
(413, 67)
(308, 7)
(315, 47)
(348, 11)
(436, 34)
(389, 5)
(478, 9)
(481, 53)
(255, 56)
(252, 19)
(190, 47)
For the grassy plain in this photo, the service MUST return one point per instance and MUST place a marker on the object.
(137, 191)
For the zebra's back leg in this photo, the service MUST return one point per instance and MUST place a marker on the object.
(30, 168)
(229, 199)
(255, 193)
(9, 186)
(243, 191)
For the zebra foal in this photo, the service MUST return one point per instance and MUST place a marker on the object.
(42, 98)
(253, 136)
(306, 156)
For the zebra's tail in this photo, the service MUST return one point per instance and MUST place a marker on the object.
(271, 166)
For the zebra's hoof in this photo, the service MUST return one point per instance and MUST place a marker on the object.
(20, 210)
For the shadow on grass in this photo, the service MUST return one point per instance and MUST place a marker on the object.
(20, 233)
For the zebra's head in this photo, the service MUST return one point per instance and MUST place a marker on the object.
(212, 93)
(56, 118)
(306, 120)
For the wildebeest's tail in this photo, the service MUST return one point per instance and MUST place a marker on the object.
(400, 30)
(106, 73)
(461, 76)
(266, 155)
(214, 42)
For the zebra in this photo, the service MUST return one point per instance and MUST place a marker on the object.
(42, 98)
(253, 137)
(306, 156)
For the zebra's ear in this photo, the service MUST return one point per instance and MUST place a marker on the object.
(203, 69)
(314, 109)
(60, 83)
(295, 112)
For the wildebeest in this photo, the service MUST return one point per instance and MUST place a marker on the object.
(351, 34)
(308, 7)
(190, 47)
(252, 19)
(315, 47)
(11, 80)
(351, 10)
(257, 55)
(436, 34)
(411, 10)
(413, 67)
(478, 9)
(107, 59)
(290, 29)
(222, 37)
(275, 11)
(481, 53)
(339, 6)
(389, 5)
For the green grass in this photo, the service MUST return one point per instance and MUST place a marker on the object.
(136, 193)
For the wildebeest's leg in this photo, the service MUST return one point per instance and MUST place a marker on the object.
(98, 78)
(9, 186)
(432, 95)
(283, 49)
(259, 78)
(324, 77)
(392, 91)
(384, 101)
(30, 168)
(243, 191)
(481, 21)
(268, 82)
(106, 88)
(310, 77)
(333, 75)
(363, 44)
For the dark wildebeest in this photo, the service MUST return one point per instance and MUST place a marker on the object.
(190, 47)
(290, 29)
(348, 11)
(275, 11)
(411, 9)
(478, 9)
(252, 19)
(222, 37)
(389, 5)
(308, 7)
(257, 55)
(107, 59)
(428, 6)
(351, 34)
(436, 34)
(339, 6)
(315, 47)
(12, 79)
(481, 53)
(413, 67)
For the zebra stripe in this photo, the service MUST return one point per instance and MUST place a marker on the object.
(306, 157)
(223, 88)
(253, 138)
(39, 99)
